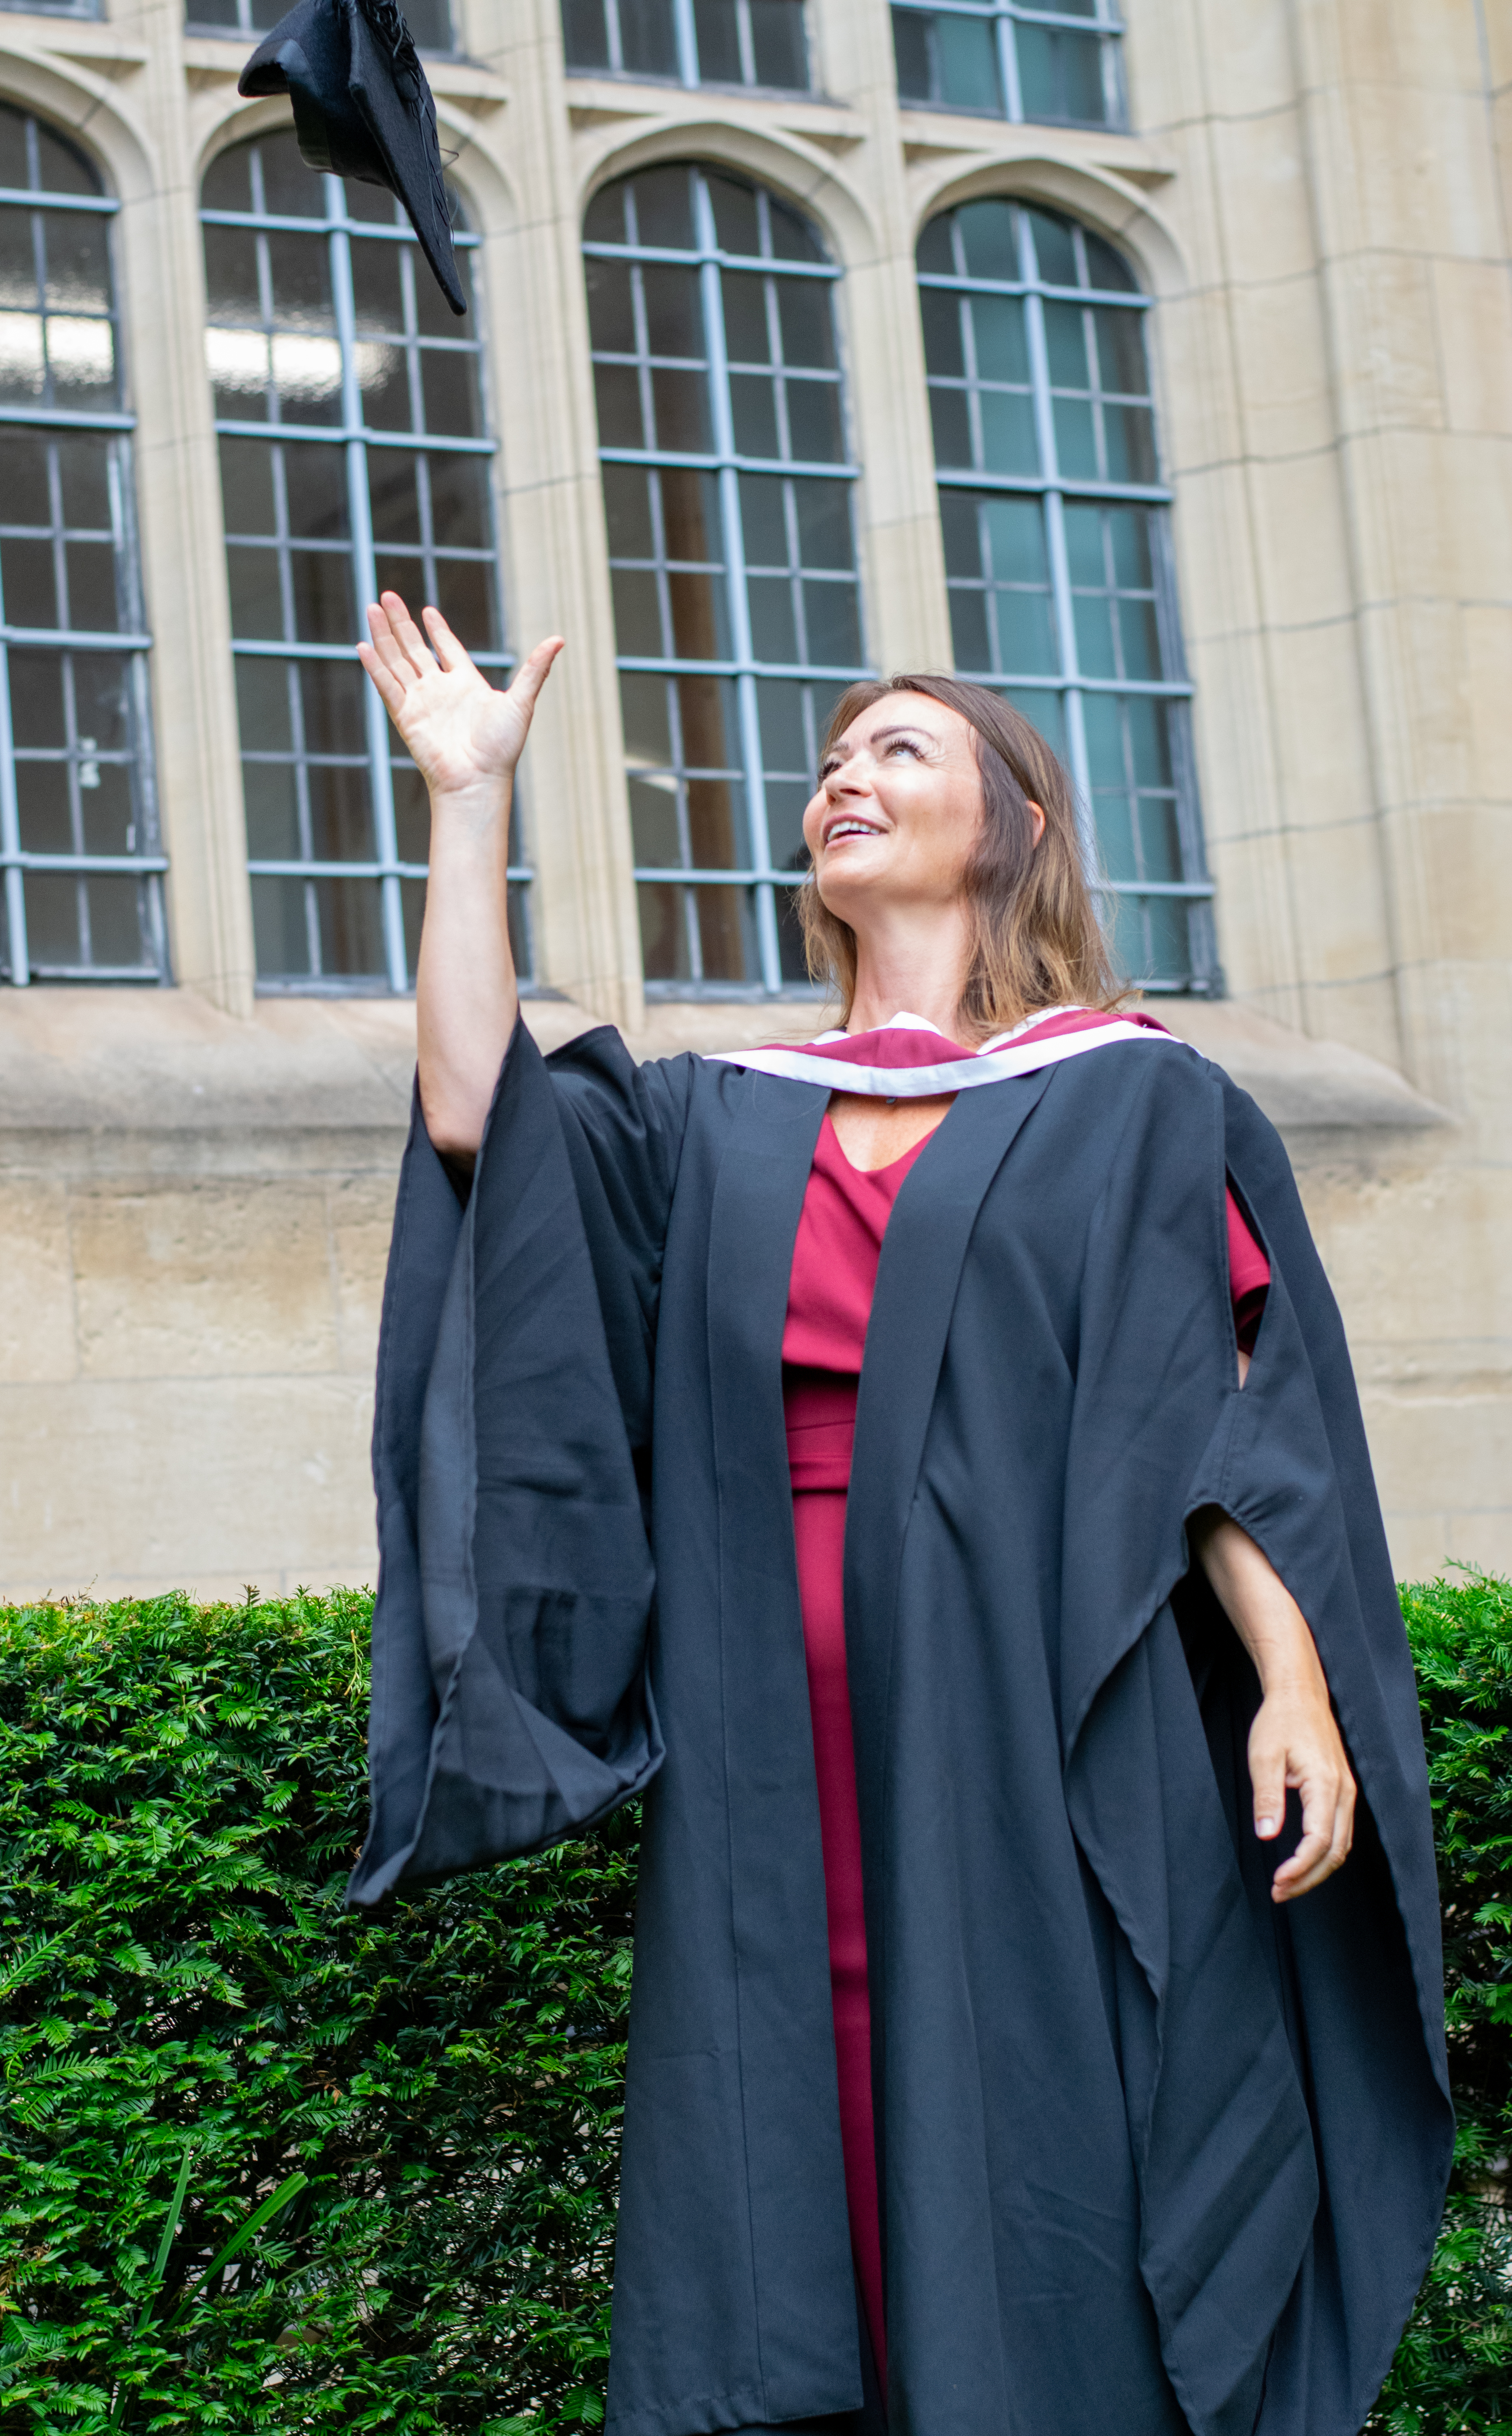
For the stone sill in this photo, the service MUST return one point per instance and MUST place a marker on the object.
(111, 1081)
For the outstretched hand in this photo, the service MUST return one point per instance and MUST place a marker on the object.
(465, 737)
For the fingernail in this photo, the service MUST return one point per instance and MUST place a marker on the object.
(1264, 1826)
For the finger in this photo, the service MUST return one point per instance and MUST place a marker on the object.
(532, 673)
(451, 654)
(412, 641)
(1267, 1775)
(391, 691)
(386, 643)
(1309, 1864)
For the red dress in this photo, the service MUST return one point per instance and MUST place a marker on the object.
(829, 1301)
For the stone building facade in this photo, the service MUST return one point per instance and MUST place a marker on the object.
(1156, 366)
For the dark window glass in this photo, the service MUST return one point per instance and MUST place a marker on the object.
(429, 21)
(309, 327)
(1058, 566)
(1001, 59)
(728, 504)
(693, 42)
(79, 850)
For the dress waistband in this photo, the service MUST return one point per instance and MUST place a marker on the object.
(820, 1409)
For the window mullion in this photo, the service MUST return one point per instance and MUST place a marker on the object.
(724, 419)
(687, 35)
(10, 836)
(1060, 574)
(1013, 95)
(365, 586)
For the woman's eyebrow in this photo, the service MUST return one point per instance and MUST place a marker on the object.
(904, 728)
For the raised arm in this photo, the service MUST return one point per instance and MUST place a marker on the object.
(465, 737)
(1293, 1741)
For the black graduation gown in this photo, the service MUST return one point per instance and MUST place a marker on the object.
(1155, 2153)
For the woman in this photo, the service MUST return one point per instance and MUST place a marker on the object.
(968, 1979)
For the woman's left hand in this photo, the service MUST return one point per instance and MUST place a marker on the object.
(1295, 1745)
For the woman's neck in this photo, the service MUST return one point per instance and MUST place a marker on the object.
(917, 971)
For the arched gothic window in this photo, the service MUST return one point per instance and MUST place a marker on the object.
(79, 840)
(690, 41)
(355, 456)
(1057, 553)
(727, 488)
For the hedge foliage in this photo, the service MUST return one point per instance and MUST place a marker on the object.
(394, 2135)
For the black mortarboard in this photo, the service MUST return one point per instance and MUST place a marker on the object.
(362, 107)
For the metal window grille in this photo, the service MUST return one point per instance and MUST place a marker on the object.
(79, 837)
(429, 21)
(1003, 60)
(354, 458)
(727, 489)
(1056, 549)
(55, 8)
(691, 42)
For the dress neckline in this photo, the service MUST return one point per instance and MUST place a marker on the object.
(912, 1153)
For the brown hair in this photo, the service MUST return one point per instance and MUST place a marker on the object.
(1037, 939)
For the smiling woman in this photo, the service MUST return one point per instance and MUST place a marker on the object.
(962, 1390)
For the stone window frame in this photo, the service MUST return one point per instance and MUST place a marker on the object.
(129, 639)
(1000, 51)
(386, 760)
(600, 25)
(794, 692)
(1136, 899)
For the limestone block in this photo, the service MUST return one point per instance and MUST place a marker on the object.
(37, 1303)
(1282, 369)
(1442, 1466)
(1385, 355)
(1465, 853)
(1300, 540)
(1262, 198)
(1190, 343)
(1486, 629)
(1416, 1251)
(1405, 168)
(1210, 523)
(361, 1219)
(1319, 714)
(1396, 43)
(214, 1280)
(1243, 54)
(1473, 312)
(143, 1486)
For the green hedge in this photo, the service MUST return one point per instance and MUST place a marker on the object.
(396, 2134)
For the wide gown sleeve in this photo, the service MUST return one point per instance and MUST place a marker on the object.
(1285, 2068)
(511, 1705)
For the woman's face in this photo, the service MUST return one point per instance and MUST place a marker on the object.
(898, 810)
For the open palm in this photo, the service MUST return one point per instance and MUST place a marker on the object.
(463, 735)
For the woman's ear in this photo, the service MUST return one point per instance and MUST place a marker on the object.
(1038, 811)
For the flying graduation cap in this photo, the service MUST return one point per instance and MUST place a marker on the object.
(362, 108)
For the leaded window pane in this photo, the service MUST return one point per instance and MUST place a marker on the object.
(998, 59)
(728, 496)
(762, 43)
(1053, 519)
(429, 21)
(78, 837)
(354, 458)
